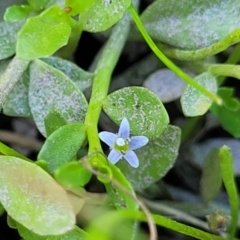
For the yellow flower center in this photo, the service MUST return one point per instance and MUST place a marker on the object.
(122, 145)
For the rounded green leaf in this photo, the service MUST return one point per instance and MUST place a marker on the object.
(80, 77)
(103, 14)
(72, 174)
(8, 38)
(143, 109)
(17, 12)
(155, 159)
(165, 84)
(51, 90)
(43, 35)
(191, 24)
(33, 198)
(62, 145)
(195, 103)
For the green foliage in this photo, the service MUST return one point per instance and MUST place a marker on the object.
(156, 159)
(211, 180)
(43, 197)
(75, 234)
(143, 109)
(191, 25)
(44, 208)
(8, 38)
(80, 77)
(50, 28)
(57, 152)
(106, 13)
(72, 174)
(17, 12)
(195, 103)
(51, 90)
(228, 114)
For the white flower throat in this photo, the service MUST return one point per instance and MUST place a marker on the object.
(122, 145)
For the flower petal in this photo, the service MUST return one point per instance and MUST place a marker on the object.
(124, 129)
(108, 137)
(132, 159)
(138, 142)
(114, 156)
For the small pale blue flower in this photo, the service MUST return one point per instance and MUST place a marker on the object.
(122, 145)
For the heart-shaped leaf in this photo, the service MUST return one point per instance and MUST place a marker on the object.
(8, 38)
(62, 145)
(156, 159)
(38, 5)
(33, 198)
(80, 77)
(50, 28)
(51, 90)
(195, 103)
(102, 14)
(143, 109)
(191, 24)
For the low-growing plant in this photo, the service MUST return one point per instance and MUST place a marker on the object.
(48, 198)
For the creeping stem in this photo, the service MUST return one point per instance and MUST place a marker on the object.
(169, 63)
(105, 66)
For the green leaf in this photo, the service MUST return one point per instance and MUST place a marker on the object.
(51, 90)
(156, 159)
(211, 180)
(165, 84)
(195, 103)
(75, 234)
(17, 13)
(16, 104)
(79, 6)
(62, 145)
(119, 196)
(229, 102)
(103, 14)
(50, 28)
(8, 38)
(53, 121)
(191, 24)
(229, 119)
(32, 197)
(143, 109)
(5, 150)
(38, 5)
(72, 174)
(80, 77)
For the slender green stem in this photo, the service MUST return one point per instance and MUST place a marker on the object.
(169, 63)
(10, 77)
(102, 226)
(226, 164)
(226, 70)
(105, 66)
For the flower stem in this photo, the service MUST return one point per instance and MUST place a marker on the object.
(105, 66)
(169, 63)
